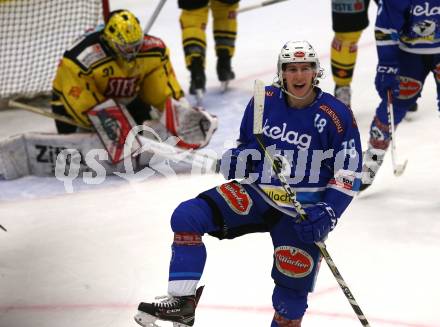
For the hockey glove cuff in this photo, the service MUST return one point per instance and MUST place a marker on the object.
(321, 219)
(387, 78)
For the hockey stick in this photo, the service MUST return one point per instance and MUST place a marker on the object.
(154, 16)
(259, 96)
(41, 111)
(259, 5)
(201, 160)
(3, 228)
(398, 169)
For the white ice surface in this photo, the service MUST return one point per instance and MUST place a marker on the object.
(88, 258)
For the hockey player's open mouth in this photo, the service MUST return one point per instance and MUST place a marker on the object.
(299, 86)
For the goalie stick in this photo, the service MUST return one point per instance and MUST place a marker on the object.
(259, 96)
(42, 112)
(203, 161)
(398, 169)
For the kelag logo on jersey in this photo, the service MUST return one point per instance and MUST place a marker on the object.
(275, 132)
(425, 10)
(293, 262)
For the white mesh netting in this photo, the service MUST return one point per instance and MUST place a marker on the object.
(33, 36)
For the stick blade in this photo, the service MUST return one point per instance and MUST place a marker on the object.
(400, 169)
(259, 95)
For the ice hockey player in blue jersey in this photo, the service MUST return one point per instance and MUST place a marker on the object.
(408, 47)
(315, 138)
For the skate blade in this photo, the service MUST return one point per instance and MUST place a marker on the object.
(410, 116)
(145, 319)
(224, 86)
(399, 169)
(199, 97)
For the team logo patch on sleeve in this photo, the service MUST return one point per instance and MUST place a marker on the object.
(346, 181)
(334, 116)
(90, 55)
(293, 262)
(236, 197)
(75, 91)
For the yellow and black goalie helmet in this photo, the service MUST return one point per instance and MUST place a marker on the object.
(124, 34)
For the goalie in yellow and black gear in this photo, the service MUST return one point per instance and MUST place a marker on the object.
(119, 62)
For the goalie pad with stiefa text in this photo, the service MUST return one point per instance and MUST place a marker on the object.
(113, 123)
(192, 125)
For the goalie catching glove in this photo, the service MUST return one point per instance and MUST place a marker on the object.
(192, 125)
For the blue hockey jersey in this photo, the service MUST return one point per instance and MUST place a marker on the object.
(320, 143)
(411, 25)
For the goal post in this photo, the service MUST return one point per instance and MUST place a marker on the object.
(34, 36)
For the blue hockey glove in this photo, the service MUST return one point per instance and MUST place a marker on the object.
(387, 78)
(321, 219)
(238, 162)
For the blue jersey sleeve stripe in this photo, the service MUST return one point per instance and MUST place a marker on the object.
(187, 275)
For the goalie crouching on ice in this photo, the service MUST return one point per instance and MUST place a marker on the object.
(120, 64)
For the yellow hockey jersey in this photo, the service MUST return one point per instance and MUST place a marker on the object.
(89, 73)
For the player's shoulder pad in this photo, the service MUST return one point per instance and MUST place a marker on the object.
(152, 44)
(87, 51)
(340, 114)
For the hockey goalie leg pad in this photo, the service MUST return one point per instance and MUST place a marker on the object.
(194, 126)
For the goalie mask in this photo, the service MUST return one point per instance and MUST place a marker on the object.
(124, 34)
(298, 51)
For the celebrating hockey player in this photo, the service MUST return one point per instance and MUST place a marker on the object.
(193, 21)
(315, 139)
(119, 62)
(408, 47)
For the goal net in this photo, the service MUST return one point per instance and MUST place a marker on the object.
(34, 35)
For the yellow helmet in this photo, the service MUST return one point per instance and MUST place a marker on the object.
(124, 34)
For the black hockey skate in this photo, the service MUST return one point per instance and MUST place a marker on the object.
(178, 309)
(224, 69)
(198, 79)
